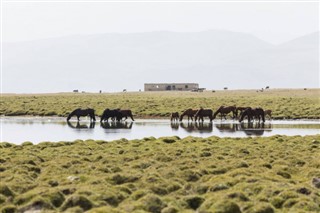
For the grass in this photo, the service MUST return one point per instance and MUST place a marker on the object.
(284, 103)
(267, 174)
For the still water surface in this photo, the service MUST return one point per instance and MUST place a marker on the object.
(38, 129)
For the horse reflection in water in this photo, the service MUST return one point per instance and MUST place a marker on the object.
(250, 129)
(196, 127)
(255, 129)
(227, 127)
(116, 125)
(81, 126)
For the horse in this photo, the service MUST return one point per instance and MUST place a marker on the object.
(251, 114)
(204, 113)
(239, 110)
(268, 112)
(125, 113)
(111, 113)
(174, 116)
(190, 113)
(82, 112)
(226, 110)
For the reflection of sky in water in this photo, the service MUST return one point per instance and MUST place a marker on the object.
(38, 129)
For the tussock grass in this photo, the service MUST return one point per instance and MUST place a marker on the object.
(270, 174)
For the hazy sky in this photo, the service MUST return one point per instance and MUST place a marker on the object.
(274, 22)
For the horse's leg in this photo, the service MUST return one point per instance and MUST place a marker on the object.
(78, 117)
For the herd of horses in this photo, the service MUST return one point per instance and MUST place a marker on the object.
(241, 113)
(113, 114)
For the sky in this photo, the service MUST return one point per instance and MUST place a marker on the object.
(275, 22)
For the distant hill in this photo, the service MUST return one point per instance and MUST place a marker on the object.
(112, 62)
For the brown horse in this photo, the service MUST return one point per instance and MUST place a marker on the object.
(226, 110)
(251, 114)
(174, 117)
(190, 113)
(201, 113)
(82, 112)
(268, 112)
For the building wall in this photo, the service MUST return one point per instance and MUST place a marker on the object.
(170, 87)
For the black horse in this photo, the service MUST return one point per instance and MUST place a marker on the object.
(251, 114)
(111, 113)
(82, 112)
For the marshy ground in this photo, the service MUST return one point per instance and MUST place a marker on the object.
(226, 175)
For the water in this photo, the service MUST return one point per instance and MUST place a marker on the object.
(38, 129)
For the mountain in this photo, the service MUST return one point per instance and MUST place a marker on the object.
(112, 62)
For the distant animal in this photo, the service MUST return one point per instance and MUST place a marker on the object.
(174, 116)
(268, 113)
(252, 114)
(82, 112)
(267, 87)
(125, 113)
(201, 113)
(190, 113)
(111, 113)
(226, 110)
(225, 88)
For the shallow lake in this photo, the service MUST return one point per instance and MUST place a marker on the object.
(38, 129)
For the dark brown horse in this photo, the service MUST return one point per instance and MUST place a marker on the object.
(190, 113)
(201, 113)
(82, 112)
(239, 110)
(125, 113)
(251, 114)
(226, 110)
(174, 116)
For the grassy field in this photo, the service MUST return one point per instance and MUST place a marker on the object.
(285, 103)
(167, 175)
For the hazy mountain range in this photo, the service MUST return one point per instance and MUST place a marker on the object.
(112, 62)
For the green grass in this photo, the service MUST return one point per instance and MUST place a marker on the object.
(285, 103)
(267, 174)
